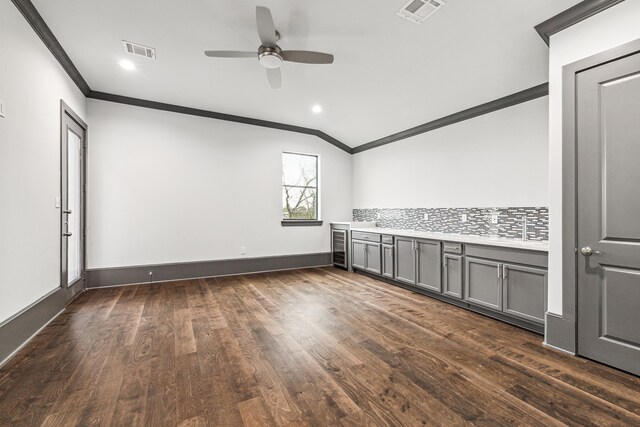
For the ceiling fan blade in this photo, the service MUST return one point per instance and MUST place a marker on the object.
(266, 27)
(275, 77)
(230, 54)
(307, 57)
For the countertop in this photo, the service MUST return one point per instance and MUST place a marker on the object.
(541, 246)
(355, 224)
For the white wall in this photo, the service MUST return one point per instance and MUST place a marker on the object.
(31, 84)
(166, 187)
(608, 29)
(496, 160)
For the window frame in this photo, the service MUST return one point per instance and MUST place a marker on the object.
(302, 222)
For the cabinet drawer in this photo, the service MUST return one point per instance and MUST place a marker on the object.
(453, 248)
(369, 237)
(387, 239)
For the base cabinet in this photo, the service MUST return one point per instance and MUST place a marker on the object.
(373, 258)
(523, 291)
(452, 283)
(483, 283)
(366, 256)
(428, 265)
(387, 261)
(358, 254)
(405, 260)
(513, 289)
(506, 283)
(417, 263)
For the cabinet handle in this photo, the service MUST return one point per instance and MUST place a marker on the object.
(499, 271)
(444, 262)
(504, 271)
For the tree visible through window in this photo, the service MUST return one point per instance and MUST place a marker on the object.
(299, 186)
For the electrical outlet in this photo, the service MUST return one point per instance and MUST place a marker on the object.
(494, 218)
(58, 203)
(243, 250)
(463, 218)
(426, 217)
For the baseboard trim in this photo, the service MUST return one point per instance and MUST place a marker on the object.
(118, 276)
(560, 333)
(561, 350)
(19, 329)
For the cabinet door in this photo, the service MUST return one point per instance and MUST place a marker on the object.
(387, 261)
(358, 254)
(523, 292)
(483, 283)
(452, 279)
(405, 257)
(428, 262)
(373, 258)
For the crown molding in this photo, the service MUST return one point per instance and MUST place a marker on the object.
(137, 102)
(572, 16)
(35, 20)
(41, 28)
(479, 110)
(33, 17)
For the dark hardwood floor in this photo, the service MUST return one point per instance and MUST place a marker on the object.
(316, 347)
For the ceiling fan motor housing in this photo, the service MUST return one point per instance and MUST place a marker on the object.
(270, 57)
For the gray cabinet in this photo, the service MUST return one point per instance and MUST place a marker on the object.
(417, 263)
(405, 260)
(513, 289)
(366, 256)
(506, 283)
(387, 261)
(523, 291)
(372, 258)
(483, 283)
(452, 267)
(428, 265)
(358, 254)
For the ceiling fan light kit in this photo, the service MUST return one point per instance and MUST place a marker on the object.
(270, 57)
(269, 53)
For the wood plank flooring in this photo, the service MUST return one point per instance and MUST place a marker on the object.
(315, 347)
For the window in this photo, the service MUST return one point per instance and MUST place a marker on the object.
(299, 188)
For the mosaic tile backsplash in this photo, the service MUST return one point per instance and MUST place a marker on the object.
(449, 220)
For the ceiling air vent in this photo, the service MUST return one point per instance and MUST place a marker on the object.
(417, 11)
(138, 49)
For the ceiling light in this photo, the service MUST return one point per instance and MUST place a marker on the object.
(127, 65)
(317, 109)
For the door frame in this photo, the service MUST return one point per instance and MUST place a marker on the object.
(67, 112)
(562, 331)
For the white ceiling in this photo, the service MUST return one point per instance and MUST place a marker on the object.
(388, 74)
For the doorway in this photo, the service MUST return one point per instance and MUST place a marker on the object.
(73, 142)
(607, 206)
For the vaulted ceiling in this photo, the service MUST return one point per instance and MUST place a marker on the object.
(389, 74)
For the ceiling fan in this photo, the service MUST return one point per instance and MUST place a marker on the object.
(269, 53)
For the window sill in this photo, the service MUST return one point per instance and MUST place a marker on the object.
(301, 223)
